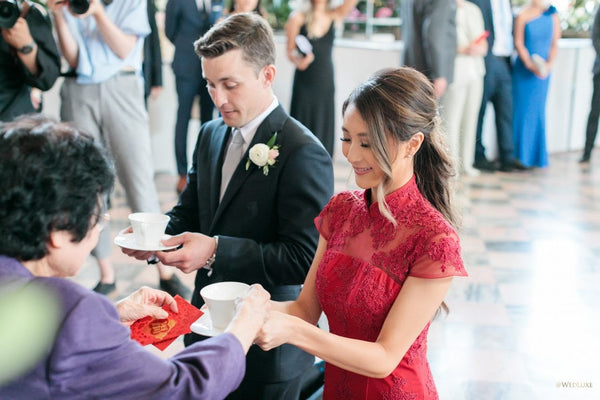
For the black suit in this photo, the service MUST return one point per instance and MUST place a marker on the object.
(184, 24)
(264, 223)
(497, 89)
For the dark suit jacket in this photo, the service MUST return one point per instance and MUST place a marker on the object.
(491, 61)
(152, 65)
(15, 79)
(264, 222)
(429, 36)
(184, 24)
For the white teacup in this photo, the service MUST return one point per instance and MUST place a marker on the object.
(220, 299)
(148, 228)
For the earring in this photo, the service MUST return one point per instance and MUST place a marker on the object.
(408, 156)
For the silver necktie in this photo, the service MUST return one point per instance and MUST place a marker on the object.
(234, 154)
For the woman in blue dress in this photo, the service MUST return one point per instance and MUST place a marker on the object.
(536, 33)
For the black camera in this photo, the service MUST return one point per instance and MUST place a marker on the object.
(10, 11)
(81, 6)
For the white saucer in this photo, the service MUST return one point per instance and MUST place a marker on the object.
(127, 241)
(203, 325)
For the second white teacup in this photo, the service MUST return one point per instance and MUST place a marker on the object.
(148, 228)
(220, 299)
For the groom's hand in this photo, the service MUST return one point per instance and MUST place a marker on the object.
(193, 251)
(137, 254)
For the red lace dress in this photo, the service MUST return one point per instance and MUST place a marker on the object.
(362, 272)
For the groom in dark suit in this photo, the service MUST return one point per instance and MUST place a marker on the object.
(256, 226)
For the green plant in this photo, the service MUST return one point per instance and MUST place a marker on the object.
(278, 13)
(579, 17)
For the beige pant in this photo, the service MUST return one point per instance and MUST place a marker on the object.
(460, 109)
(114, 113)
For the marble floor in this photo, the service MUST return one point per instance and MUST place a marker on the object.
(526, 323)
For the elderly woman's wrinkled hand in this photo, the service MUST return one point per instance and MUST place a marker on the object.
(145, 302)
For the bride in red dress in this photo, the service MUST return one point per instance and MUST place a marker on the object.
(387, 254)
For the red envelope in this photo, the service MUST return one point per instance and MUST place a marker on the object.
(162, 332)
(164, 344)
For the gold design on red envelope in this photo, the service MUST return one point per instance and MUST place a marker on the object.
(160, 327)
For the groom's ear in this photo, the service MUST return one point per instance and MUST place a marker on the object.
(268, 75)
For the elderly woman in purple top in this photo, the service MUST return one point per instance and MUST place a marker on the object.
(52, 180)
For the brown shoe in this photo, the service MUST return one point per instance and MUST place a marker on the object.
(181, 183)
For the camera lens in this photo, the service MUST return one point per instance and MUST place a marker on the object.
(79, 6)
(9, 13)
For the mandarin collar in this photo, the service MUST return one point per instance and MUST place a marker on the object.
(398, 197)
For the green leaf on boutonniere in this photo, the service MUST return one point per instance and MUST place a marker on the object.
(271, 141)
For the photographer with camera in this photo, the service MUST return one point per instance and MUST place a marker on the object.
(102, 42)
(28, 56)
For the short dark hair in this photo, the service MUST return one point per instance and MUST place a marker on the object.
(53, 177)
(246, 31)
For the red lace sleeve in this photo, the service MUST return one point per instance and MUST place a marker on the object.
(322, 220)
(333, 216)
(440, 258)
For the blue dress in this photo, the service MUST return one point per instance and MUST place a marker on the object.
(529, 94)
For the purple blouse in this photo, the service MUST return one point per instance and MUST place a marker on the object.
(93, 356)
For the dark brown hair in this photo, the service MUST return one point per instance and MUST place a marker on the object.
(246, 31)
(395, 104)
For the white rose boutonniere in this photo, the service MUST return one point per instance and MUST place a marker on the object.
(264, 155)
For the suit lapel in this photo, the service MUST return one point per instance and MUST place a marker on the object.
(272, 123)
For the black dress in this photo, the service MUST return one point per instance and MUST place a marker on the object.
(313, 91)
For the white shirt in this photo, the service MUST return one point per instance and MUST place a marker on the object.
(96, 61)
(249, 130)
(503, 22)
(203, 5)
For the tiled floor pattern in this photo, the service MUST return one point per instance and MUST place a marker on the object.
(526, 323)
